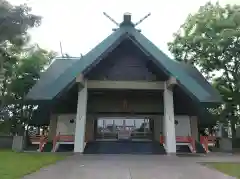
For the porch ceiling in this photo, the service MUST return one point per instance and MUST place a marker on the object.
(183, 104)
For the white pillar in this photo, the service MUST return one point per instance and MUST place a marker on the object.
(169, 121)
(81, 120)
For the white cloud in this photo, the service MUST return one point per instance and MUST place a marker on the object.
(80, 25)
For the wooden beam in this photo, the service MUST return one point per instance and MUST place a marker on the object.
(172, 81)
(134, 85)
(80, 79)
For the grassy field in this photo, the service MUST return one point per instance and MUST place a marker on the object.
(15, 165)
(232, 169)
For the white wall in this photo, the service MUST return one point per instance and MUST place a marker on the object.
(64, 126)
(181, 129)
(183, 126)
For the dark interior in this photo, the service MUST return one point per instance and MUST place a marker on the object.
(183, 104)
(127, 62)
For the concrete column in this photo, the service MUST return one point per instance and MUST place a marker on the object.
(168, 120)
(81, 120)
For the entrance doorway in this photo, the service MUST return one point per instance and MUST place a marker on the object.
(111, 129)
(124, 135)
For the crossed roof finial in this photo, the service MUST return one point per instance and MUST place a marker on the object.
(126, 20)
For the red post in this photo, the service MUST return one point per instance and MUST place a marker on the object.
(204, 142)
(191, 140)
(193, 144)
(56, 138)
(161, 139)
(41, 143)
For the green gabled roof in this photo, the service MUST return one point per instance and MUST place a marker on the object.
(188, 76)
(43, 89)
(65, 71)
(190, 79)
(214, 95)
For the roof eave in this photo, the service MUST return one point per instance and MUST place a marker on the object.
(37, 101)
(70, 85)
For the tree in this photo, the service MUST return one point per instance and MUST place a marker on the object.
(210, 39)
(31, 63)
(14, 23)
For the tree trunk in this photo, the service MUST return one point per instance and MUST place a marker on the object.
(233, 130)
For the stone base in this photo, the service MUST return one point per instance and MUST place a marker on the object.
(18, 143)
(79, 153)
(171, 154)
(225, 145)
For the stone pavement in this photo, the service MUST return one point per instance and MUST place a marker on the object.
(131, 167)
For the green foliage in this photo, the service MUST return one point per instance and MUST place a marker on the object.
(210, 39)
(28, 70)
(4, 127)
(26, 74)
(14, 23)
(21, 65)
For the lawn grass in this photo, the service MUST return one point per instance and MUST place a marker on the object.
(14, 165)
(232, 169)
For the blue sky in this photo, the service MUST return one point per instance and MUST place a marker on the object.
(80, 25)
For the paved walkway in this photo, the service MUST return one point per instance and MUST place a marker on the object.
(131, 167)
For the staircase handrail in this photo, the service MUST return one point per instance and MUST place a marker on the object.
(42, 141)
(55, 140)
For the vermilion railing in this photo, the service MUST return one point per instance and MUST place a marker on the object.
(211, 139)
(63, 138)
(35, 138)
(66, 138)
(42, 141)
(183, 139)
(206, 141)
(179, 139)
(161, 139)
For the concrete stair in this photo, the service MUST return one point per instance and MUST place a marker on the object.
(65, 148)
(124, 147)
